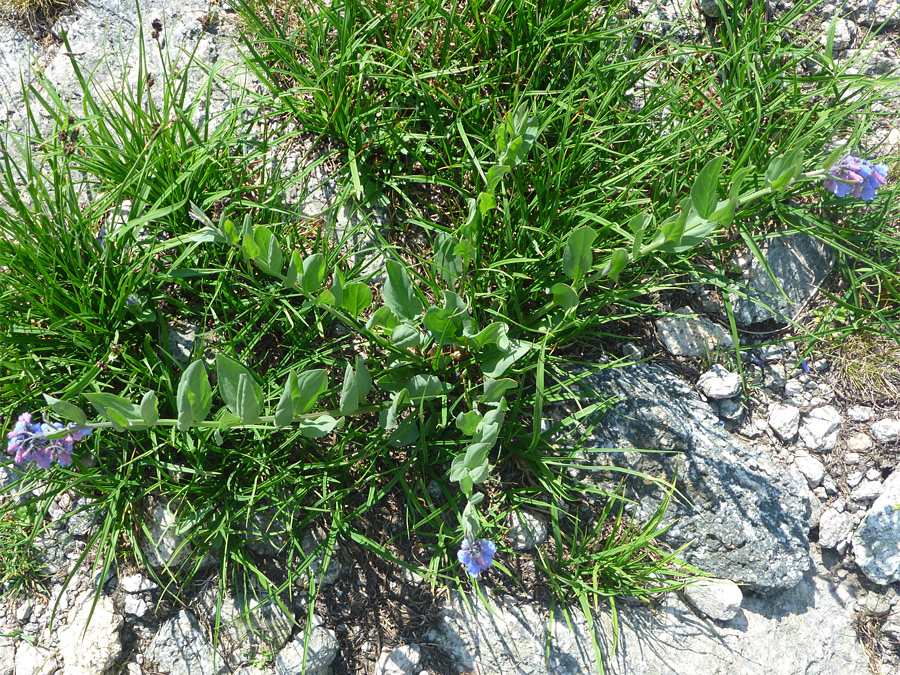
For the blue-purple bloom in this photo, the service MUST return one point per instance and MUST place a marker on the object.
(477, 556)
(858, 177)
(29, 441)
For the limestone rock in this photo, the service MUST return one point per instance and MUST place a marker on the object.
(718, 383)
(161, 542)
(718, 599)
(819, 431)
(402, 660)
(886, 430)
(320, 652)
(835, 529)
(784, 421)
(810, 467)
(180, 647)
(31, 660)
(90, 644)
(876, 542)
(691, 335)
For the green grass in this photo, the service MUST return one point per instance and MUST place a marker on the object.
(405, 99)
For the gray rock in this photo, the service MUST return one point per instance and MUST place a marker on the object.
(320, 652)
(310, 541)
(854, 478)
(784, 421)
(845, 32)
(402, 660)
(886, 430)
(7, 656)
(135, 606)
(835, 529)
(163, 544)
(819, 431)
(875, 12)
(891, 628)
(265, 533)
(136, 583)
(808, 629)
(180, 647)
(810, 467)
(526, 530)
(718, 383)
(799, 262)
(90, 651)
(711, 8)
(253, 623)
(860, 413)
(730, 409)
(691, 335)
(866, 491)
(719, 599)
(876, 543)
(743, 517)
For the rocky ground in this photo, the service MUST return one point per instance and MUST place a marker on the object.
(789, 494)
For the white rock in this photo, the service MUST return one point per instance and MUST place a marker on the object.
(886, 430)
(718, 383)
(835, 529)
(719, 599)
(784, 420)
(31, 660)
(860, 413)
(854, 478)
(526, 530)
(876, 543)
(859, 442)
(851, 458)
(819, 431)
(321, 651)
(867, 491)
(136, 583)
(135, 606)
(90, 644)
(402, 660)
(811, 468)
(23, 613)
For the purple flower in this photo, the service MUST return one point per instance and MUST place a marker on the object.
(854, 176)
(477, 556)
(30, 443)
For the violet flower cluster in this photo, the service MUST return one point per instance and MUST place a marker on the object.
(858, 177)
(477, 556)
(30, 443)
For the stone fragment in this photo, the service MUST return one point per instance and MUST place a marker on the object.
(718, 599)
(742, 518)
(90, 644)
(874, 12)
(860, 413)
(136, 583)
(402, 660)
(866, 491)
(886, 430)
(321, 651)
(835, 529)
(526, 530)
(180, 647)
(7, 656)
(876, 542)
(819, 431)
(691, 335)
(731, 409)
(810, 467)
(32, 660)
(253, 623)
(799, 263)
(858, 442)
(844, 34)
(135, 606)
(784, 421)
(719, 383)
(851, 458)
(854, 478)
